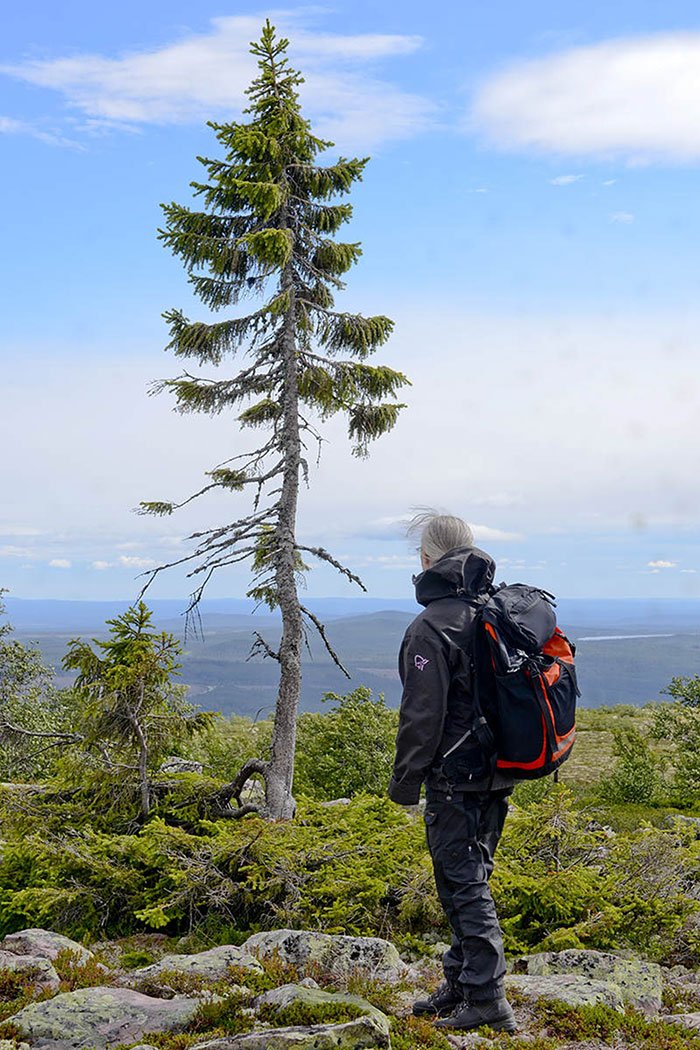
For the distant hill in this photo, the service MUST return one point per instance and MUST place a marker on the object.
(615, 664)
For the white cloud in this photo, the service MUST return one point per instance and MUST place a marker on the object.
(637, 98)
(633, 388)
(486, 533)
(9, 550)
(204, 76)
(565, 180)
(662, 564)
(132, 562)
(101, 565)
(60, 563)
(10, 126)
(689, 571)
(20, 530)
(622, 217)
(609, 182)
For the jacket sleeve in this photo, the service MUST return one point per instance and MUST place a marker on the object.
(425, 674)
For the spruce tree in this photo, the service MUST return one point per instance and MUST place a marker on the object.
(266, 229)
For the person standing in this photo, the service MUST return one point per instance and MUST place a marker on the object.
(440, 743)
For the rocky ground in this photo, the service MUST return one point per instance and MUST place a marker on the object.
(297, 989)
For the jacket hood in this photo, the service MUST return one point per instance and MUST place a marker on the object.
(462, 572)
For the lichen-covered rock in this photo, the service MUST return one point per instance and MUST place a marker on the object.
(691, 1021)
(572, 989)
(288, 994)
(99, 1018)
(11, 1044)
(43, 943)
(339, 955)
(361, 1034)
(40, 971)
(211, 964)
(640, 983)
(175, 764)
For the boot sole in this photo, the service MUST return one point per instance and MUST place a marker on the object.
(502, 1026)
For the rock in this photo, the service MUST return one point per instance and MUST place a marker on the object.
(361, 1034)
(43, 943)
(568, 988)
(99, 1018)
(640, 983)
(336, 802)
(211, 964)
(44, 975)
(337, 955)
(674, 819)
(175, 764)
(308, 982)
(687, 1020)
(287, 994)
(11, 1044)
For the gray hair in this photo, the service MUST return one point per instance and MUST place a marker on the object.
(439, 533)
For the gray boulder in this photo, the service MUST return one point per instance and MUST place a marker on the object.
(175, 764)
(99, 1018)
(43, 975)
(640, 983)
(211, 964)
(337, 955)
(361, 1034)
(288, 994)
(691, 1021)
(567, 988)
(43, 943)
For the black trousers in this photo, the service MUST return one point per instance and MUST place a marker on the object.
(463, 831)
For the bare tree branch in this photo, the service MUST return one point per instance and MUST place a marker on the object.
(320, 552)
(322, 631)
(260, 645)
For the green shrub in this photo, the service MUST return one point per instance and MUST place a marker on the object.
(636, 776)
(347, 751)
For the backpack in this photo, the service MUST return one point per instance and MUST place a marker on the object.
(524, 681)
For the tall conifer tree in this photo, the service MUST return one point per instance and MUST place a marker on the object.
(267, 229)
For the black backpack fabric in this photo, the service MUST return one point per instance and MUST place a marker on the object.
(525, 681)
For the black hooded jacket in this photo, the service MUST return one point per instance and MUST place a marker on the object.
(438, 706)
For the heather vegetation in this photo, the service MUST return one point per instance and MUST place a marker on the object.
(108, 840)
(606, 858)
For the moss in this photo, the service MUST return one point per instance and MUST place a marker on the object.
(135, 958)
(226, 1017)
(164, 1041)
(301, 1013)
(417, 1033)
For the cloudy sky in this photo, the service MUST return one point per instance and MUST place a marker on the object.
(530, 219)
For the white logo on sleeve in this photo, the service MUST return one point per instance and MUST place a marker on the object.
(420, 662)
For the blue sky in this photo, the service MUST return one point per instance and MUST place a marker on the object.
(529, 218)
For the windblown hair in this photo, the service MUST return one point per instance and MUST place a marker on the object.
(439, 533)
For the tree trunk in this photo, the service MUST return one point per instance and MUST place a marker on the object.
(144, 786)
(280, 771)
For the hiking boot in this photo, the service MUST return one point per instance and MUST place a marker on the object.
(496, 1013)
(444, 1000)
